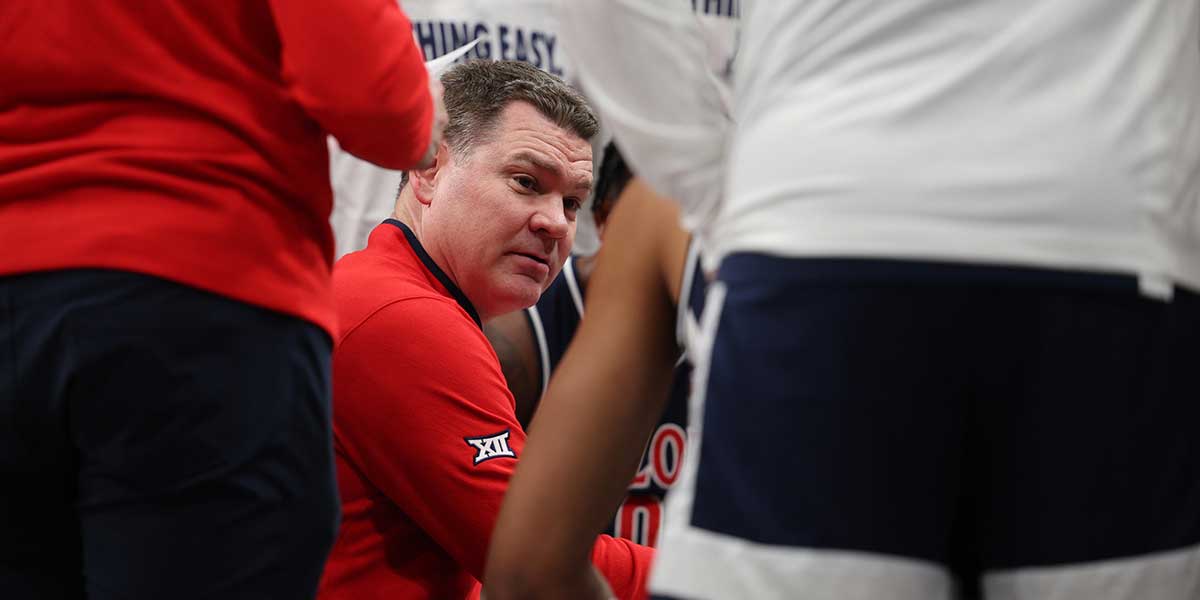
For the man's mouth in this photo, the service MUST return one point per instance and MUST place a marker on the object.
(535, 257)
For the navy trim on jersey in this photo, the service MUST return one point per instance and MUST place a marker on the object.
(574, 285)
(539, 338)
(437, 271)
(692, 288)
(557, 314)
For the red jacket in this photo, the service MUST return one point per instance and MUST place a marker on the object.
(426, 435)
(186, 139)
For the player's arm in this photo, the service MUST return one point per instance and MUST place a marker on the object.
(512, 339)
(356, 69)
(432, 427)
(602, 404)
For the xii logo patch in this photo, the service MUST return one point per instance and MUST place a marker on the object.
(491, 446)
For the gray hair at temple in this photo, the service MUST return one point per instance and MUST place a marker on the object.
(477, 91)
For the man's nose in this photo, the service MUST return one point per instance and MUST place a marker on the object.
(550, 219)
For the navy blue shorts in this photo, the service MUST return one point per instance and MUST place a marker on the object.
(157, 441)
(898, 429)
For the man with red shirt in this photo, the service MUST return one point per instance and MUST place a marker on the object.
(165, 309)
(425, 429)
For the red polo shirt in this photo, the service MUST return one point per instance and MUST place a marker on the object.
(425, 433)
(187, 139)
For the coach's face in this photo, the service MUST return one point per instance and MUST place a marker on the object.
(501, 219)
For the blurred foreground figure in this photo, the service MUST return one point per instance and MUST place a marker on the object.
(954, 328)
(165, 306)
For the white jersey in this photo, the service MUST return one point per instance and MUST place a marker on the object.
(1061, 134)
(524, 30)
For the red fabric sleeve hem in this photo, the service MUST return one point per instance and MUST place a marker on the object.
(625, 565)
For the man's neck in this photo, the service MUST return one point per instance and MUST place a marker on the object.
(402, 214)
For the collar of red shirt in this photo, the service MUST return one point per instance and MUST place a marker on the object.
(436, 271)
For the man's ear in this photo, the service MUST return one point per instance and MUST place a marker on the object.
(424, 180)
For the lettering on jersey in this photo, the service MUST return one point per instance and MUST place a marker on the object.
(640, 516)
(666, 451)
(491, 446)
(718, 8)
(662, 460)
(500, 41)
(639, 520)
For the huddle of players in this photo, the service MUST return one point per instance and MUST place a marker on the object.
(836, 460)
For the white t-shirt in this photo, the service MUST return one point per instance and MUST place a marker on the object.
(525, 30)
(1060, 134)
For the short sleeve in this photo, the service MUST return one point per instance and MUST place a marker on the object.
(422, 410)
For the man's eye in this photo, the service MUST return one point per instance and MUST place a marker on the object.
(525, 181)
(572, 204)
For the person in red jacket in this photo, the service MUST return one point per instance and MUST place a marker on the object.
(166, 316)
(425, 429)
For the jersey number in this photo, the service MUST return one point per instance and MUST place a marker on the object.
(640, 516)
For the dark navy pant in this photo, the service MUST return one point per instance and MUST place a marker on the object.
(981, 419)
(158, 441)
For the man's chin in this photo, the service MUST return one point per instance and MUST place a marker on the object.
(527, 300)
(518, 298)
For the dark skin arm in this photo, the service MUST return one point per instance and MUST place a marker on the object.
(513, 342)
(603, 402)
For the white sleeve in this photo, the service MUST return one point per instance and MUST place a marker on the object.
(363, 196)
(643, 64)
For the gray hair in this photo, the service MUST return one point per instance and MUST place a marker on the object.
(477, 91)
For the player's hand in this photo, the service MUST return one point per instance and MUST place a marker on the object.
(439, 122)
